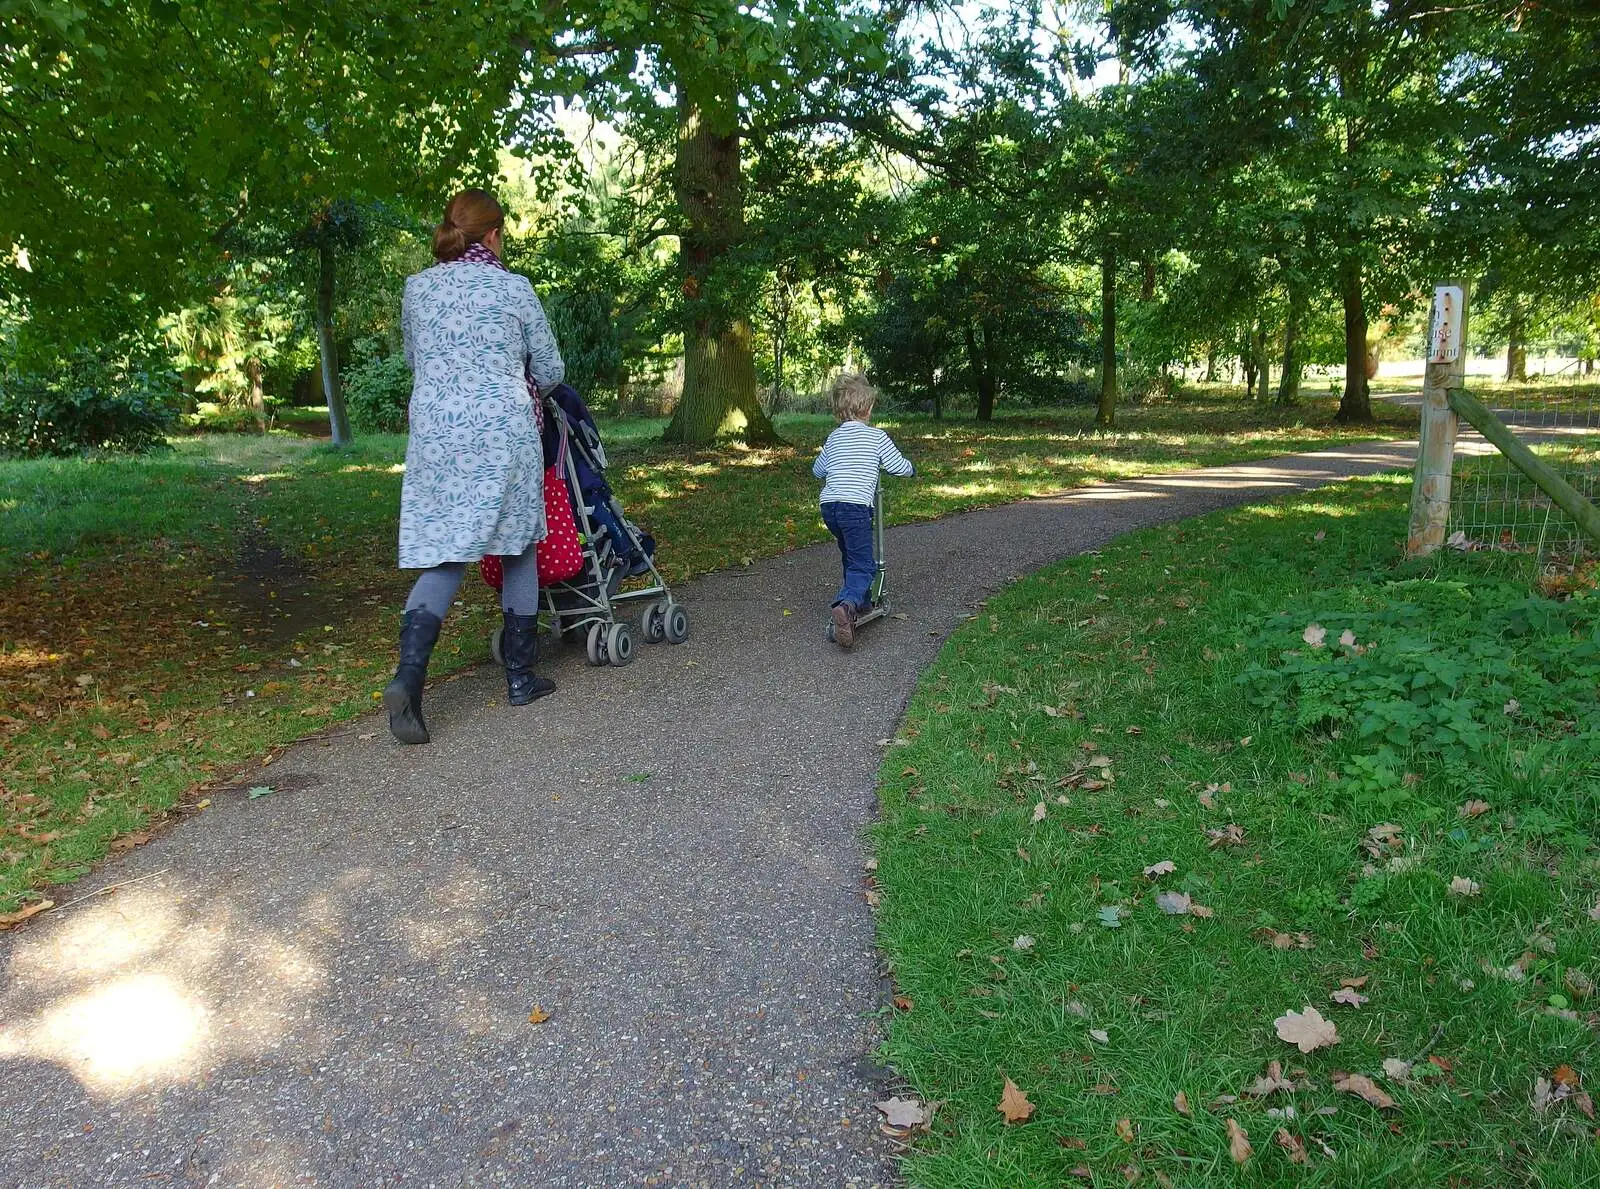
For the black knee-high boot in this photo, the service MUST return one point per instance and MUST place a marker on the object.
(519, 648)
(402, 697)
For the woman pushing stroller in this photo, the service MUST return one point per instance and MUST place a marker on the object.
(481, 351)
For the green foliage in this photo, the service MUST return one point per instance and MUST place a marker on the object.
(1437, 665)
(118, 399)
(377, 393)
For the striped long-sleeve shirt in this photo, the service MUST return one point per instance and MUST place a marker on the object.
(850, 460)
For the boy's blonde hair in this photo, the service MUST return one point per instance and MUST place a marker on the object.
(852, 397)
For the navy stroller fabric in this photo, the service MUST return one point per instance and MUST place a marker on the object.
(588, 456)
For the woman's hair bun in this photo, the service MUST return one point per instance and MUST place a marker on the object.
(471, 215)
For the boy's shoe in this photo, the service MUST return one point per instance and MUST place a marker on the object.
(844, 625)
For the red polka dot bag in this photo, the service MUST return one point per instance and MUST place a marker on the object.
(561, 552)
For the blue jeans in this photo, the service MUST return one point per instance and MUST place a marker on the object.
(851, 525)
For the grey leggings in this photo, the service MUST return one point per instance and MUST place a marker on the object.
(436, 589)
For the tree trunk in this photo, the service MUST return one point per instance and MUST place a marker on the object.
(719, 368)
(1289, 380)
(982, 377)
(1517, 346)
(1211, 364)
(1355, 406)
(258, 398)
(991, 374)
(1147, 283)
(338, 419)
(1258, 347)
(1249, 361)
(1106, 416)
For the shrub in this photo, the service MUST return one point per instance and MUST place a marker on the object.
(377, 393)
(109, 398)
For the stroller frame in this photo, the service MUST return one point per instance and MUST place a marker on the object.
(877, 597)
(588, 603)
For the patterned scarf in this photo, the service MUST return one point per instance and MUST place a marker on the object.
(478, 254)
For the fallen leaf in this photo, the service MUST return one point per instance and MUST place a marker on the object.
(1039, 812)
(1125, 1130)
(1174, 903)
(1594, 912)
(1270, 1082)
(1564, 1075)
(259, 790)
(1022, 853)
(1023, 943)
(1181, 1104)
(1231, 835)
(10, 919)
(1292, 1144)
(1306, 1030)
(904, 1003)
(1462, 886)
(1473, 809)
(1397, 1069)
(1314, 635)
(1584, 1103)
(1238, 1142)
(1362, 1087)
(1111, 916)
(903, 1112)
(1357, 982)
(1201, 911)
(1100, 1034)
(1347, 638)
(1014, 1104)
(538, 1015)
(1348, 997)
(1156, 870)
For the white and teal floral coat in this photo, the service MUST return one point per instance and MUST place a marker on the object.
(474, 335)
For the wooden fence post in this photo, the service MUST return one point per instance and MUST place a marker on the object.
(1430, 489)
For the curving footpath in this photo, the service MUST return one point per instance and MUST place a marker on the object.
(332, 985)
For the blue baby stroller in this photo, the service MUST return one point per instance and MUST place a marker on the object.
(614, 551)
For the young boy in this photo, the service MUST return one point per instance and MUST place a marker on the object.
(849, 465)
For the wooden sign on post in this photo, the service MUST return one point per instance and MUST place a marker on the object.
(1446, 369)
(1444, 339)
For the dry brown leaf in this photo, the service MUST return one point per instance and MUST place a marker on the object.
(1584, 1103)
(1291, 1144)
(1270, 1082)
(10, 919)
(1181, 1104)
(538, 1015)
(1362, 1087)
(903, 1112)
(1231, 835)
(1349, 997)
(904, 1002)
(1014, 1104)
(1394, 1067)
(1357, 983)
(1314, 635)
(1565, 1075)
(1462, 886)
(1306, 1030)
(1174, 903)
(1238, 1142)
(1125, 1130)
(1473, 809)
(1156, 870)
(1201, 911)
(1039, 812)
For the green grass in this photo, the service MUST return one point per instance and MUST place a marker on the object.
(1120, 669)
(164, 620)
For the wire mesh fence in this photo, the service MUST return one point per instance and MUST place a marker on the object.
(1494, 506)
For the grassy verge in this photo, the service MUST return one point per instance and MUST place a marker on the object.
(1152, 800)
(164, 620)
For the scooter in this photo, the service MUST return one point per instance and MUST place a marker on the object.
(877, 598)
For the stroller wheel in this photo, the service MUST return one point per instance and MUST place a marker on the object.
(619, 644)
(597, 644)
(494, 646)
(655, 622)
(677, 624)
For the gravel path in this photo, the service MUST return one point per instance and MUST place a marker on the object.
(331, 985)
